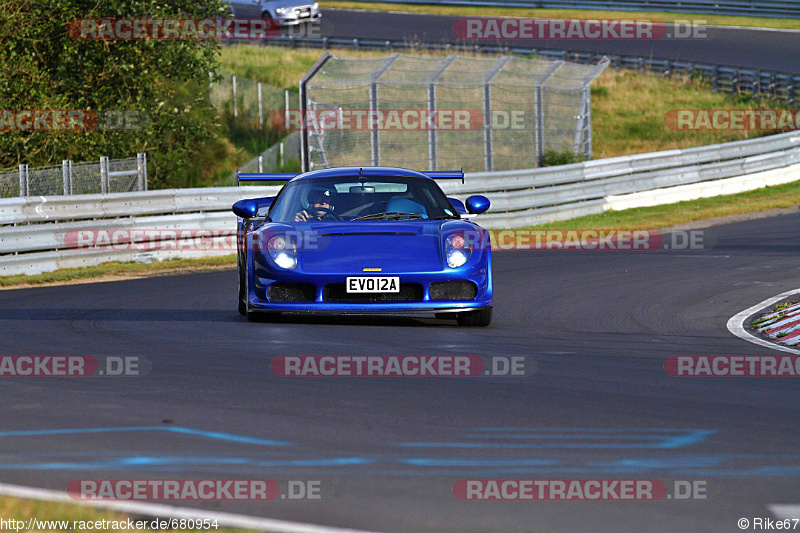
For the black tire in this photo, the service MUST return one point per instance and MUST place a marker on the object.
(273, 28)
(480, 318)
(242, 305)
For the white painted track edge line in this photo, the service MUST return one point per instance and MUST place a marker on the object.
(736, 323)
(782, 511)
(162, 511)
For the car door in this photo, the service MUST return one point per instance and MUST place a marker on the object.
(246, 9)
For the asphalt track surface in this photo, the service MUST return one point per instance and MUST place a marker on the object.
(598, 327)
(738, 47)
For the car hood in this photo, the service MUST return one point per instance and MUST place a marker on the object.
(288, 3)
(352, 247)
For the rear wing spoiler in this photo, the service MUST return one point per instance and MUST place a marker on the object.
(286, 176)
(446, 174)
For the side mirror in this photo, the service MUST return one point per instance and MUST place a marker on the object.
(264, 203)
(459, 205)
(245, 208)
(477, 204)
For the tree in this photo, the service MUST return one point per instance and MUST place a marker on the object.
(148, 95)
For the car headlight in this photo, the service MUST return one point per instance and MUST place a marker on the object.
(457, 250)
(282, 10)
(283, 251)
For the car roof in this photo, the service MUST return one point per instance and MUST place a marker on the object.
(364, 171)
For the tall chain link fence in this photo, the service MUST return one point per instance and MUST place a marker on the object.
(249, 102)
(500, 113)
(104, 176)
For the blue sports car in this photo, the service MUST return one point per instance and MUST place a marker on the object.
(371, 240)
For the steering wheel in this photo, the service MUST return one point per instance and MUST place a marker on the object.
(326, 212)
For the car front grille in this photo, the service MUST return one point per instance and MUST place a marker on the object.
(337, 292)
(291, 292)
(453, 290)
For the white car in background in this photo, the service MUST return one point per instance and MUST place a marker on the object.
(284, 12)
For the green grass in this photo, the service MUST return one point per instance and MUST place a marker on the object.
(24, 509)
(120, 270)
(665, 216)
(489, 11)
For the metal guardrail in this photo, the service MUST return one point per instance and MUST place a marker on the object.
(782, 86)
(749, 8)
(33, 230)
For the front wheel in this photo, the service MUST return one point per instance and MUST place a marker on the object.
(481, 318)
(242, 296)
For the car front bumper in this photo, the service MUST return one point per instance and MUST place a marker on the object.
(479, 275)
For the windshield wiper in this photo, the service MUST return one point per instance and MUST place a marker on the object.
(445, 217)
(390, 215)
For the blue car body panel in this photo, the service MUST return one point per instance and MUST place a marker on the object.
(331, 251)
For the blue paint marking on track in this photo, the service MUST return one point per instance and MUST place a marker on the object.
(574, 438)
(178, 464)
(171, 429)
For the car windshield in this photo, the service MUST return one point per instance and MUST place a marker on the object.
(357, 198)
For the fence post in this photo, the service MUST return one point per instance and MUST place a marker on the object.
(280, 155)
(488, 150)
(65, 176)
(286, 109)
(538, 106)
(235, 108)
(305, 158)
(375, 140)
(260, 108)
(433, 138)
(141, 166)
(104, 174)
(261, 163)
(210, 88)
(23, 180)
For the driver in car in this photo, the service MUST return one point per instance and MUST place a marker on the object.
(320, 206)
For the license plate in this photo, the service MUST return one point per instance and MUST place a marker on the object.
(373, 284)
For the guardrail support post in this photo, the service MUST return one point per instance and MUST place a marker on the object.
(104, 174)
(141, 166)
(66, 176)
(23, 180)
